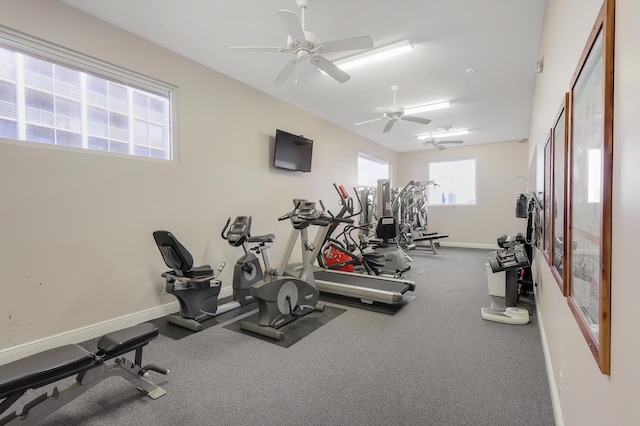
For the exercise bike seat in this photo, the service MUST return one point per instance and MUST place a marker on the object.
(387, 229)
(178, 258)
(267, 238)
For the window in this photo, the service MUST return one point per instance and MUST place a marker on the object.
(455, 182)
(57, 97)
(370, 170)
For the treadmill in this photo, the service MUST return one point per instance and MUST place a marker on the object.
(367, 288)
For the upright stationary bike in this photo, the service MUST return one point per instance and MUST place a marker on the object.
(283, 299)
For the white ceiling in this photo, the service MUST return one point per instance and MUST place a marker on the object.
(498, 39)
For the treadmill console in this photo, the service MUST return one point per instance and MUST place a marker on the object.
(304, 214)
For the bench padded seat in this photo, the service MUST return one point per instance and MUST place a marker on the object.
(64, 361)
(44, 367)
(122, 341)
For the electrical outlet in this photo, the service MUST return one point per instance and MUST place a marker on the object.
(561, 384)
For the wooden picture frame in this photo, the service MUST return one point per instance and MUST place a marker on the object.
(560, 146)
(546, 202)
(591, 170)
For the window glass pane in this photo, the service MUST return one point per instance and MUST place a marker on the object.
(8, 129)
(455, 182)
(118, 147)
(98, 144)
(7, 65)
(40, 134)
(8, 100)
(370, 170)
(68, 139)
(67, 82)
(38, 73)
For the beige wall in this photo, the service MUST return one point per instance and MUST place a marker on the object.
(582, 394)
(501, 170)
(76, 244)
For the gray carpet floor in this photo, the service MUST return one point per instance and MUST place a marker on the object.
(435, 362)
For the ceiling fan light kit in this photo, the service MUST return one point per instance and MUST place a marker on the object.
(306, 46)
(394, 114)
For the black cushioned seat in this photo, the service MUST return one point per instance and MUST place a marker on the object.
(177, 257)
(44, 367)
(122, 341)
(268, 238)
(55, 364)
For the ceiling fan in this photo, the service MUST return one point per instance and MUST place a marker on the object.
(305, 45)
(434, 143)
(394, 114)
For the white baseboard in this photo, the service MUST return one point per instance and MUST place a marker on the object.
(85, 333)
(555, 398)
(469, 245)
(92, 331)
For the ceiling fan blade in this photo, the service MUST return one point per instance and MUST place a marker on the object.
(388, 126)
(440, 147)
(415, 119)
(257, 49)
(370, 121)
(384, 110)
(292, 24)
(352, 43)
(451, 142)
(285, 71)
(330, 68)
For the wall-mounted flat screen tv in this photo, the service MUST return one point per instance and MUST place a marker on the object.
(292, 152)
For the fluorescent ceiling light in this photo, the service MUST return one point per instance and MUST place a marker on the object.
(425, 108)
(375, 55)
(444, 134)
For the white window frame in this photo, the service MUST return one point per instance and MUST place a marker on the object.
(86, 65)
(435, 200)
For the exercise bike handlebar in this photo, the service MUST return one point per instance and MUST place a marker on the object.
(284, 217)
(226, 225)
(347, 201)
(335, 219)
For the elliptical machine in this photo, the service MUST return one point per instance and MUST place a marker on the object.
(339, 253)
(283, 299)
(197, 288)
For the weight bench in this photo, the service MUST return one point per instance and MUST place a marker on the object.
(432, 239)
(47, 367)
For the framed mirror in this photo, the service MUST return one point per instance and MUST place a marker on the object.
(591, 155)
(560, 141)
(546, 202)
